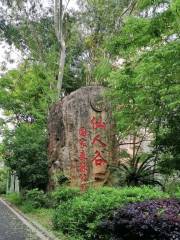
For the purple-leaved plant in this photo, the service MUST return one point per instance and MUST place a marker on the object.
(149, 220)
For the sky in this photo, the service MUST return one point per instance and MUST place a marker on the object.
(72, 3)
(11, 53)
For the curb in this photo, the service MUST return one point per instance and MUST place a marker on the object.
(36, 228)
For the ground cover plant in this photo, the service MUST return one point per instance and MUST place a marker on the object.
(152, 220)
(81, 215)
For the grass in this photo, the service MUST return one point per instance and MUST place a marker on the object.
(43, 216)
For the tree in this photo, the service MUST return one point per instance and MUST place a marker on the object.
(27, 93)
(25, 96)
(168, 141)
(25, 152)
(46, 39)
(145, 89)
(59, 15)
(99, 20)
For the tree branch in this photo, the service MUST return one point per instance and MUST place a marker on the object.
(131, 143)
(66, 5)
(130, 7)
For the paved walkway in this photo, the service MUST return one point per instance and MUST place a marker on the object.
(11, 228)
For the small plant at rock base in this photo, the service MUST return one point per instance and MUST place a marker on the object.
(138, 171)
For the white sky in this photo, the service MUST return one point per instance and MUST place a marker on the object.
(73, 4)
(12, 54)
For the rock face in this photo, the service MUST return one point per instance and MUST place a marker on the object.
(81, 139)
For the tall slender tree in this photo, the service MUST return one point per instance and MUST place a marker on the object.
(59, 15)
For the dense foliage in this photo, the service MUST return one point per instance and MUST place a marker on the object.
(81, 215)
(26, 92)
(155, 219)
(3, 180)
(36, 198)
(25, 153)
(169, 143)
(63, 194)
(144, 88)
(31, 30)
(25, 96)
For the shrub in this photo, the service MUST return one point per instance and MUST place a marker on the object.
(36, 198)
(82, 215)
(172, 183)
(155, 219)
(3, 180)
(63, 194)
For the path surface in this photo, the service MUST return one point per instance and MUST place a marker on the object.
(11, 228)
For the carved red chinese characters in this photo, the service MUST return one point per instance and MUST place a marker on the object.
(98, 159)
(97, 140)
(82, 156)
(97, 123)
(82, 143)
(83, 132)
(83, 169)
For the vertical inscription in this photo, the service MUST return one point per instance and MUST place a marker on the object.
(83, 169)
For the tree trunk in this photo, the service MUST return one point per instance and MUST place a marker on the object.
(58, 24)
(61, 67)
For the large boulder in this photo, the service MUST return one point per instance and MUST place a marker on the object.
(81, 139)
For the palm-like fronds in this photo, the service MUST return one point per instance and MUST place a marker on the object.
(139, 170)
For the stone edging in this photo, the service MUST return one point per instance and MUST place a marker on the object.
(39, 230)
